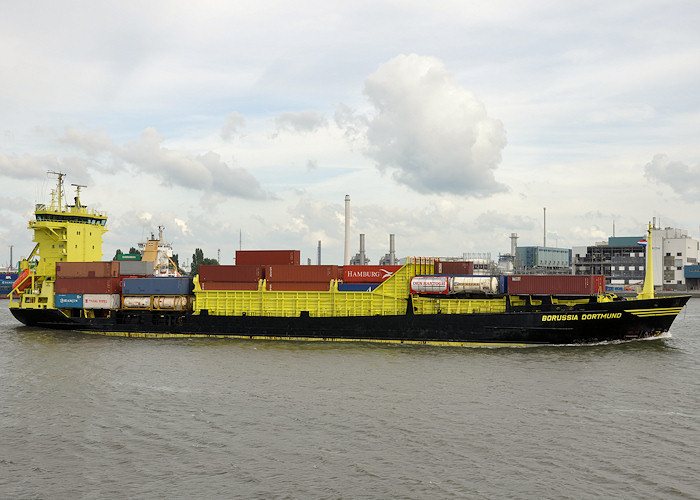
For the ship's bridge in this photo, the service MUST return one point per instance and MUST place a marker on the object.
(78, 214)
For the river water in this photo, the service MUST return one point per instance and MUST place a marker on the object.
(86, 416)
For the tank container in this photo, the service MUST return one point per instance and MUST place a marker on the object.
(174, 302)
(137, 302)
(430, 284)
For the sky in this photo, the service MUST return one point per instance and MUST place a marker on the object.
(451, 124)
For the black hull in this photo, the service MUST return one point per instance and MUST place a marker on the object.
(586, 323)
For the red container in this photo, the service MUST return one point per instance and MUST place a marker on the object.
(561, 284)
(299, 287)
(108, 269)
(368, 274)
(454, 268)
(88, 285)
(268, 257)
(238, 274)
(228, 285)
(301, 274)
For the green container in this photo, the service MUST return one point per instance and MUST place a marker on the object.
(129, 256)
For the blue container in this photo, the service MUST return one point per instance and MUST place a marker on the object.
(157, 286)
(503, 284)
(357, 287)
(69, 300)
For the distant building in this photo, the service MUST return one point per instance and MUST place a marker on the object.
(542, 260)
(675, 258)
(621, 259)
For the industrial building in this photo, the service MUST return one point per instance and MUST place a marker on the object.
(542, 260)
(675, 257)
(623, 260)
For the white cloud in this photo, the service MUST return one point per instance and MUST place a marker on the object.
(26, 166)
(304, 121)
(432, 134)
(234, 121)
(681, 178)
(492, 219)
(205, 172)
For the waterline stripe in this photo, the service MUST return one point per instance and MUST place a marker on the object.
(147, 335)
(663, 311)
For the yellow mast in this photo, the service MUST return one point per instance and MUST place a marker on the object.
(648, 289)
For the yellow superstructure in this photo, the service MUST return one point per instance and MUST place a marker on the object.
(62, 233)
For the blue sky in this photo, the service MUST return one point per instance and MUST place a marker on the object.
(451, 124)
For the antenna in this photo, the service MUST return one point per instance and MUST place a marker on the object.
(60, 175)
(77, 193)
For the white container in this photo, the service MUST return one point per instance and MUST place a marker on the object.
(101, 301)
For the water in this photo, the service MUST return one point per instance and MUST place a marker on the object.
(95, 417)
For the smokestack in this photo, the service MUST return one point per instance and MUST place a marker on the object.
(362, 249)
(513, 243)
(346, 259)
(319, 252)
(545, 227)
(392, 250)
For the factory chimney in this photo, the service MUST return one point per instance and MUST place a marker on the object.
(545, 227)
(392, 250)
(346, 259)
(362, 249)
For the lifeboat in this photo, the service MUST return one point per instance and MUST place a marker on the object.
(22, 282)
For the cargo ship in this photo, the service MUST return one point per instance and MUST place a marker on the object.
(269, 295)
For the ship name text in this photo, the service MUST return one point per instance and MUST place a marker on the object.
(583, 317)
